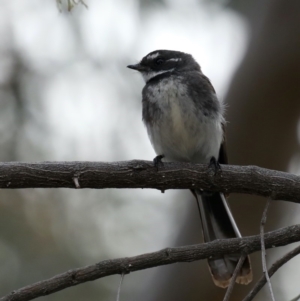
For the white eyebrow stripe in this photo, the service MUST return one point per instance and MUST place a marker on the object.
(152, 56)
(175, 59)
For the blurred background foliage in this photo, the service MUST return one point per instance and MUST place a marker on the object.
(65, 94)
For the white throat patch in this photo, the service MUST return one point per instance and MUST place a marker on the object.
(148, 75)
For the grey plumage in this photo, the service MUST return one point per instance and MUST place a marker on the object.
(184, 121)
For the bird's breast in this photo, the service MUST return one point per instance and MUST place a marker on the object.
(176, 127)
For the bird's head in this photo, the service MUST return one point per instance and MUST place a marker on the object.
(162, 61)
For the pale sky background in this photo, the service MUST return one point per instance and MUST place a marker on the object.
(87, 106)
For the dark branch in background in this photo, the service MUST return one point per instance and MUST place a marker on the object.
(244, 246)
(296, 298)
(141, 174)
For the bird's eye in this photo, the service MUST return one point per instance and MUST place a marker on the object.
(159, 61)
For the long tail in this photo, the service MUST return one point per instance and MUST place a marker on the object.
(218, 223)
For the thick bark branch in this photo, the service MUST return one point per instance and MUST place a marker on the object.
(141, 174)
(245, 245)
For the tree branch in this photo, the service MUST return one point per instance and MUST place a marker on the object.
(245, 245)
(141, 174)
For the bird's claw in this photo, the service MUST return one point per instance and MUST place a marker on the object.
(214, 165)
(157, 161)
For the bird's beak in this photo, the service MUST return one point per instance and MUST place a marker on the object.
(137, 67)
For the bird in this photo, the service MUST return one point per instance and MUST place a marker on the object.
(185, 123)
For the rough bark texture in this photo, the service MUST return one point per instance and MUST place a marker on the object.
(141, 174)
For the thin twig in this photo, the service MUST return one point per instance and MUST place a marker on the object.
(119, 288)
(70, 4)
(233, 279)
(263, 248)
(275, 266)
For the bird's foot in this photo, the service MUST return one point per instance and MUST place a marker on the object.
(157, 161)
(214, 165)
